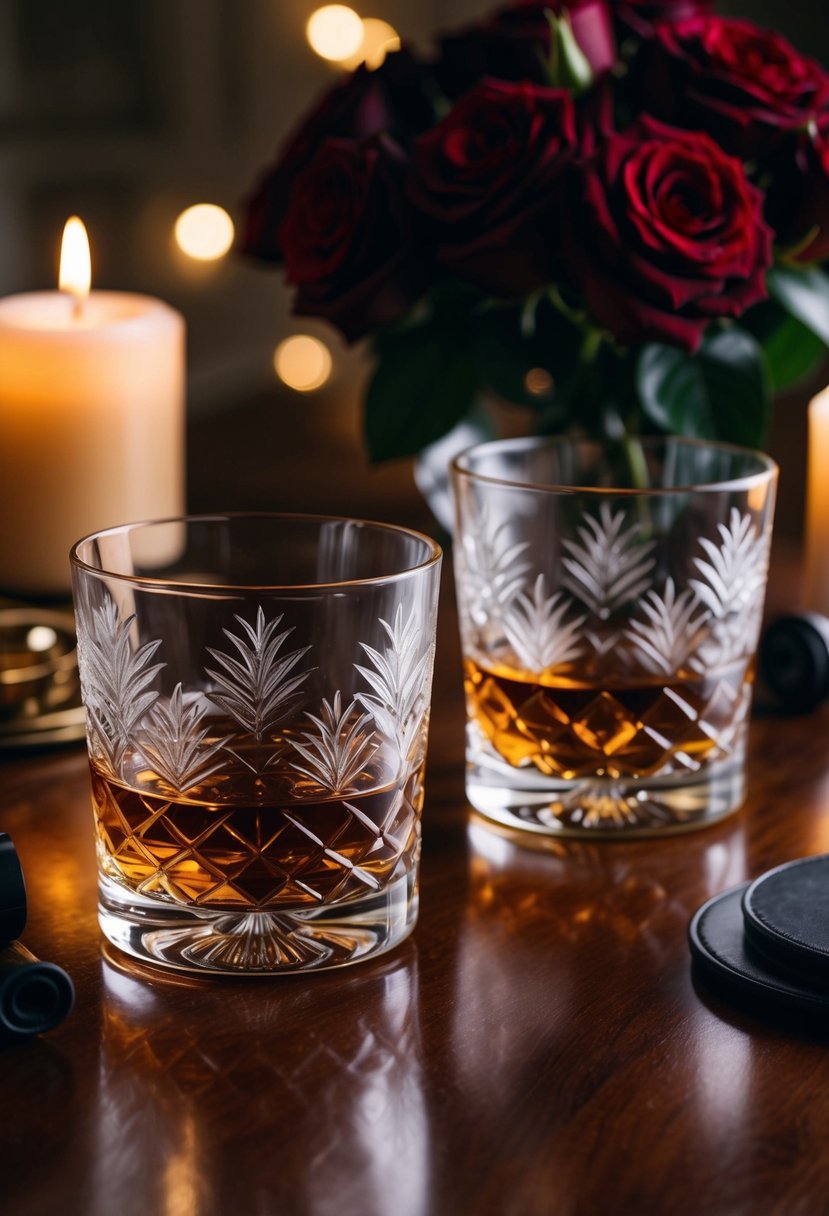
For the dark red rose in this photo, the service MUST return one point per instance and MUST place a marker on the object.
(365, 103)
(514, 43)
(642, 16)
(486, 180)
(797, 201)
(667, 235)
(346, 237)
(745, 85)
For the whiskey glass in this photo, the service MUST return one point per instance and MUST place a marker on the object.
(610, 601)
(257, 691)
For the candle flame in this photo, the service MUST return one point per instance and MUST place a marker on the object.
(75, 263)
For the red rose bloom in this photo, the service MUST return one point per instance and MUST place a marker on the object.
(346, 237)
(668, 236)
(747, 86)
(641, 16)
(390, 99)
(514, 43)
(486, 180)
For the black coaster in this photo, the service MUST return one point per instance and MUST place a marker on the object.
(786, 915)
(721, 955)
(12, 892)
(794, 660)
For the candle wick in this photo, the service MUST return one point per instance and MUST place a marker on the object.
(77, 307)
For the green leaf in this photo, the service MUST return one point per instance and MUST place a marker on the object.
(672, 391)
(504, 352)
(792, 351)
(803, 293)
(721, 392)
(424, 383)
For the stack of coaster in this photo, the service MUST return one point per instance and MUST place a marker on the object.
(765, 944)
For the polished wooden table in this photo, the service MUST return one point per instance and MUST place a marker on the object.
(537, 1048)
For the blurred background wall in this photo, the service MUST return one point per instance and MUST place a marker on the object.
(128, 111)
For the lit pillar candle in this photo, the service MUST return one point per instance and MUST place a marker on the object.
(91, 418)
(816, 589)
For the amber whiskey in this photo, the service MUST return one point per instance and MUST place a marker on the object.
(244, 844)
(643, 727)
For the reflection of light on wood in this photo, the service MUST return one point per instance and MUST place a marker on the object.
(722, 1085)
(379, 40)
(75, 263)
(335, 32)
(204, 232)
(302, 362)
(182, 1173)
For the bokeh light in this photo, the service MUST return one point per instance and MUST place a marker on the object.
(204, 232)
(40, 638)
(538, 382)
(379, 40)
(302, 362)
(335, 32)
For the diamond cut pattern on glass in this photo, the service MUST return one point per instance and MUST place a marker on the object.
(316, 809)
(231, 859)
(653, 730)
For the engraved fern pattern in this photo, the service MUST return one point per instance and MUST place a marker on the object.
(175, 743)
(731, 587)
(608, 565)
(494, 568)
(258, 686)
(669, 630)
(606, 601)
(340, 747)
(536, 628)
(116, 680)
(398, 678)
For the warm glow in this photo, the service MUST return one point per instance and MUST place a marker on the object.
(40, 638)
(204, 232)
(379, 40)
(335, 32)
(75, 263)
(538, 382)
(302, 362)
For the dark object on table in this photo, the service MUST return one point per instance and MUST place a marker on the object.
(40, 702)
(12, 892)
(794, 660)
(34, 996)
(724, 961)
(786, 919)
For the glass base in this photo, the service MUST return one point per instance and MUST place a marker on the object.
(260, 942)
(604, 807)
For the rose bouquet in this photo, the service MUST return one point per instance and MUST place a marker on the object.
(614, 213)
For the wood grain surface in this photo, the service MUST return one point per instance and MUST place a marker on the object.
(537, 1048)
